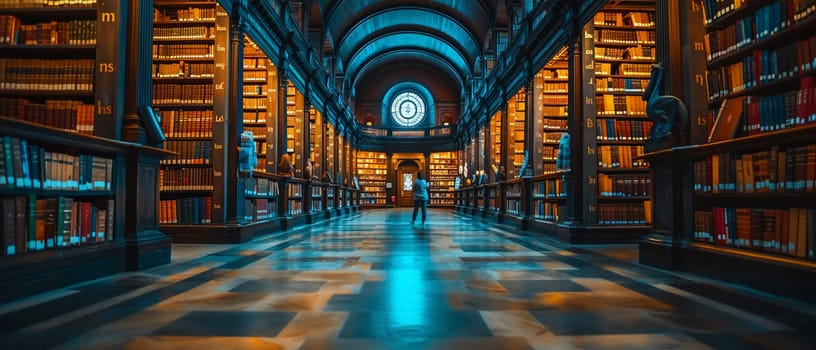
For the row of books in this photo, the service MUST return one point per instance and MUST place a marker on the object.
(190, 210)
(548, 211)
(189, 152)
(261, 146)
(556, 87)
(372, 201)
(255, 90)
(625, 185)
(186, 32)
(625, 69)
(46, 3)
(546, 137)
(295, 190)
(364, 172)
(622, 130)
(47, 74)
(619, 156)
(27, 165)
(554, 111)
(625, 213)
(762, 67)
(295, 206)
(609, 104)
(254, 116)
(556, 100)
(554, 124)
(549, 189)
(615, 84)
(189, 14)
(774, 16)
(615, 36)
(186, 179)
(62, 114)
(183, 70)
(183, 51)
(181, 123)
(777, 112)
(253, 75)
(259, 186)
(32, 224)
(774, 170)
(633, 52)
(189, 94)
(75, 32)
(555, 74)
(549, 152)
(784, 231)
(260, 209)
(255, 62)
(632, 19)
(255, 103)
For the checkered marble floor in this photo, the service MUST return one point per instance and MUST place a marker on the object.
(372, 280)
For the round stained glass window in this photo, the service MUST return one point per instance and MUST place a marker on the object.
(408, 109)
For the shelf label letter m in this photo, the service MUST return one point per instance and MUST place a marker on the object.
(108, 17)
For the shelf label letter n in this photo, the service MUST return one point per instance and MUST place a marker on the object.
(107, 17)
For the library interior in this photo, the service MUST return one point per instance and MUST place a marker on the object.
(622, 174)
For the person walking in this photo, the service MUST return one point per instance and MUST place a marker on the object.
(420, 197)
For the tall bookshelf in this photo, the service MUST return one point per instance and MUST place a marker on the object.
(261, 192)
(443, 173)
(495, 136)
(294, 125)
(516, 110)
(755, 192)
(624, 49)
(551, 85)
(184, 74)
(372, 169)
(256, 110)
(553, 82)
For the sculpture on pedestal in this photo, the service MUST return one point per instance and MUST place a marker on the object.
(667, 112)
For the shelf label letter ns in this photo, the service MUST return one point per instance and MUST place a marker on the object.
(106, 67)
(103, 109)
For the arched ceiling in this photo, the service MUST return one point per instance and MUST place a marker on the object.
(447, 34)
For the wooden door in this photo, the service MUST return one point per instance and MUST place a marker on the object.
(406, 174)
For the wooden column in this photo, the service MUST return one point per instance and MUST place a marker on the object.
(145, 245)
(234, 181)
(680, 49)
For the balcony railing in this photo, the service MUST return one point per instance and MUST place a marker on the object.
(439, 131)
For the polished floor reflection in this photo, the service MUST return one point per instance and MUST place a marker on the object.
(373, 280)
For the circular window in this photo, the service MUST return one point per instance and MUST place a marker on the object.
(408, 109)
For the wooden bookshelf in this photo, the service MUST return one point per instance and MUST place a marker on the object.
(516, 124)
(53, 40)
(184, 76)
(624, 49)
(551, 85)
(372, 169)
(749, 192)
(443, 172)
